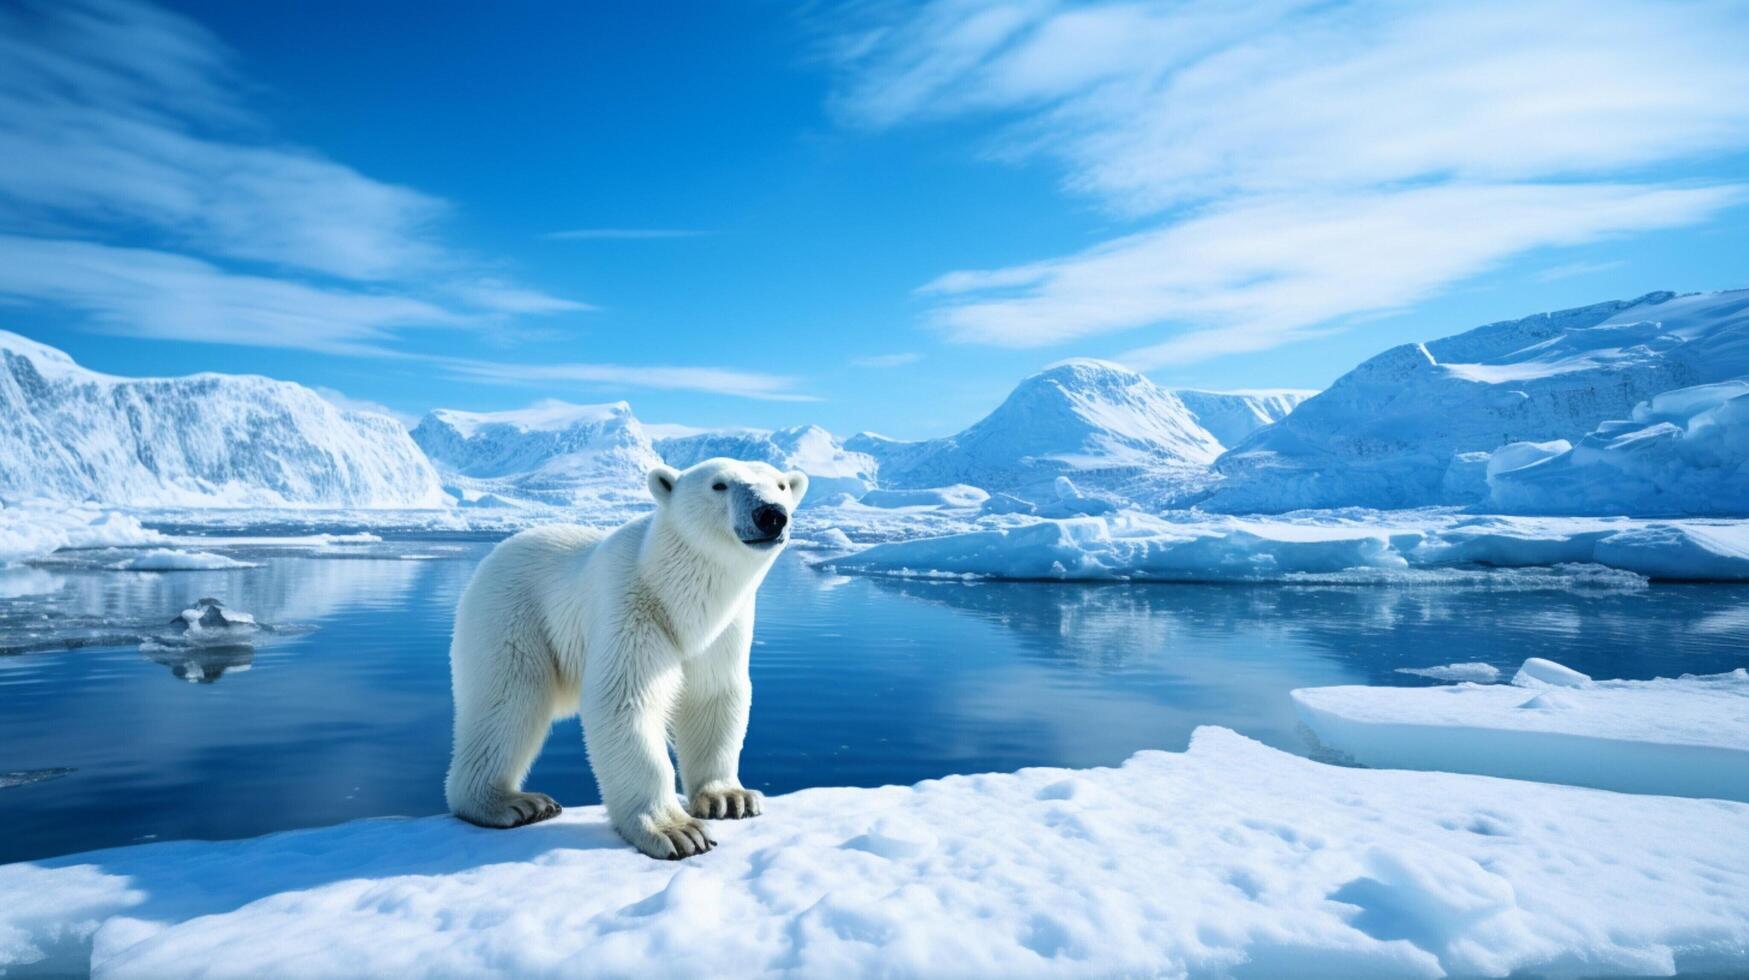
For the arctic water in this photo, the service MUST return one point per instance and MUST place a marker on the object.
(340, 708)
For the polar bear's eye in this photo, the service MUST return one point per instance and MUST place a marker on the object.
(719, 487)
(783, 486)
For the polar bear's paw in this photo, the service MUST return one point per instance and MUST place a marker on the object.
(505, 810)
(668, 836)
(726, 803)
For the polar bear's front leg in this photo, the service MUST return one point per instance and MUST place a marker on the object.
(628, 695)
(711, 725)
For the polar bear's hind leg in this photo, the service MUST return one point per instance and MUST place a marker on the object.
(502, 719)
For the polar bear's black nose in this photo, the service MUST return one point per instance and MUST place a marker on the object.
(770, 519)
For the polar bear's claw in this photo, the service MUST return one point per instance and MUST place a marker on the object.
(670, 839)
(726, 804)
(513, 810)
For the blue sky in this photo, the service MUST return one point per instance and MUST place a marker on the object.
(869, 215)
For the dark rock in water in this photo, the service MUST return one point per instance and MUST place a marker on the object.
(209, 613)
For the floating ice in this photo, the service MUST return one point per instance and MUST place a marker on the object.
(1473, 672)
(168, 560)
(1229, 859)
(1333, 547)
(1537, 672)
(36, 528)
(1685, 736)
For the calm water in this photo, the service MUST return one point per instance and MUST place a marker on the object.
(856, 681)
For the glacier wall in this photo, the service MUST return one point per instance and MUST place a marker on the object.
(70, 434)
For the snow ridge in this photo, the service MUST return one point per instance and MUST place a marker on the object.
(1414, 425)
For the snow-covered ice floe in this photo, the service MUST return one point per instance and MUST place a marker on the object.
(1338, 547)
(1228, 860)
(171, 560)
(36, 528)
(1473, 672)
(1683, 736)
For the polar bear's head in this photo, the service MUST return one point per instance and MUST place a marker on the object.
(728, 505)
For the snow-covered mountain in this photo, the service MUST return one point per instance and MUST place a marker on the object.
(1100, 424)
(68, 433)
(552, 452)
(831, 468)
(1230, 416)
(1415, 425)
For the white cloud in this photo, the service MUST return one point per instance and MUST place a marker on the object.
(119, 115)
(1232, 129)
(712, 380)
(505, 297)
(1262, 271)
(622, 234)
(126, 124)
(1569, 270)
(156, 294)
(887, 360)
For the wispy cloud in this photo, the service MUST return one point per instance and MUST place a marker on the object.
(148, 293)
(1240, 136)
(127, 125)
(1571, 270)
(622, 234)
(887, 360)
(711, 380)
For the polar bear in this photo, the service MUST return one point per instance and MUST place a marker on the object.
(645, 631)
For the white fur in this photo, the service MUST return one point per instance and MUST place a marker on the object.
(646, 631)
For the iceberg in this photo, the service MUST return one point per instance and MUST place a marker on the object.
(1681, 736)
(1228, 859)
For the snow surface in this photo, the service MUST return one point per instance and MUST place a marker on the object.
(207, 439)
(1343, 547)
(1685, 736)
(1683, 452)
(1228, 860)
(1110, 429)
(1414, 425)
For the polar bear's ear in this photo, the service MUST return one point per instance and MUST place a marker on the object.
(798, 485)
(662, 483)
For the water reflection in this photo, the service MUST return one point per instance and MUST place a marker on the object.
(200, 664)
(857, 681)
(82, 604)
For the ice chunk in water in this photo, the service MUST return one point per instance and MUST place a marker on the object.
(1537, 672)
